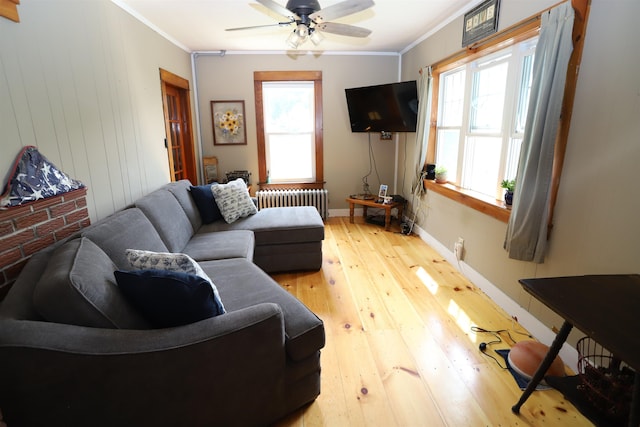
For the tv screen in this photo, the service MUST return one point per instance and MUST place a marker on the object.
(391, 107)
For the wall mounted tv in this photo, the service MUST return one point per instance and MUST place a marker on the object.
(391, 107)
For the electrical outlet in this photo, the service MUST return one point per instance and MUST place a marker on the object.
(458, 248)
(385, 136)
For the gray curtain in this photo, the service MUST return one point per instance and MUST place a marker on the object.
(526, 237)
(425, 89)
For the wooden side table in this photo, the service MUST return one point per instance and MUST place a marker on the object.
(372, 203)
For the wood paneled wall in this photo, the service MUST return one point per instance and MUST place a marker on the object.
(80, 81)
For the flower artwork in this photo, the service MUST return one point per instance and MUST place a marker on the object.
(228, 122)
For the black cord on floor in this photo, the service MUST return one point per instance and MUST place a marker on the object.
(496, 333)
(483, 345)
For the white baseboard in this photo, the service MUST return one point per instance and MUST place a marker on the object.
(540, 331)
(344, 212)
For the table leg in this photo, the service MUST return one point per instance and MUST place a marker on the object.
(387, 218)
(545, 365)
(634, 416)
(351, 208)
(364, 211)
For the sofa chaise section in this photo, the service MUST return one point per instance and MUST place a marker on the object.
(287, 238)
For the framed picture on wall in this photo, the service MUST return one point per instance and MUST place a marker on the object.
(228, 123)
(480, 22)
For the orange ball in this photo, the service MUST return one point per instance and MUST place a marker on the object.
(526, 356)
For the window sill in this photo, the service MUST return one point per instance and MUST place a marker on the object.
(492, 207)
(291, 185)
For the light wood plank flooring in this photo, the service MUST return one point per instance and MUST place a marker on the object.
(400, 350)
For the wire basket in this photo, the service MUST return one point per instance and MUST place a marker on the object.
(606, 381)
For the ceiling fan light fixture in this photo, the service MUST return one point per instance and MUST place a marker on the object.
(302, 30)
(294, 39)
(298, 36)
(316, 36)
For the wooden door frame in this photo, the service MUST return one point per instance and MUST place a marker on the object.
(168, 78)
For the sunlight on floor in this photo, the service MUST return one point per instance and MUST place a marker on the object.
(458, 314)
(427, 280)
(462, 319)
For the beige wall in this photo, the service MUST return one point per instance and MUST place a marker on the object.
(80, 80)
(346, 159)
(596, 228)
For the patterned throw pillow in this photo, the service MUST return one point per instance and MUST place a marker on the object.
(233, 200)
(147, 260)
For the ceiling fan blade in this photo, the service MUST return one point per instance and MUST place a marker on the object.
(278, 8)
(252, 27)
(341, 9)
(343, 29)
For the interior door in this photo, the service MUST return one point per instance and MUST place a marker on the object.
(177, 116)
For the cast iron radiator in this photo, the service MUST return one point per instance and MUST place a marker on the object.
(295, 197)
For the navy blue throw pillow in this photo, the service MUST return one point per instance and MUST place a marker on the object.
(169, 298)
(207, 206)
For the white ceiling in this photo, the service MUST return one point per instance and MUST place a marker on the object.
(199, 25)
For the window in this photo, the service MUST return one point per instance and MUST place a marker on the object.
(520, 32)
(289, 120)
(481, 114)
(289, 131)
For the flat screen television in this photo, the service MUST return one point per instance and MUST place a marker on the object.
(391, 107)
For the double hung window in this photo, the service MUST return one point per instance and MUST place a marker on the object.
(289, 131)
(289, 121)
(482, 108)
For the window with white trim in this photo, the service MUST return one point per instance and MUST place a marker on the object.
(482, 108)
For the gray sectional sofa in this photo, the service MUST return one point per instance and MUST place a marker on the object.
(74, 351)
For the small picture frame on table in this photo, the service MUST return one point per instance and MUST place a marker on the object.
(382, 193)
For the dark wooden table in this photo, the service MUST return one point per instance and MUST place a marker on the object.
(604, 307)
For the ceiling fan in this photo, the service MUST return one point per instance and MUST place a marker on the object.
(311, 20)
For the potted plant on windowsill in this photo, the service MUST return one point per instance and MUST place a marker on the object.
(509, 185)
(441, 175)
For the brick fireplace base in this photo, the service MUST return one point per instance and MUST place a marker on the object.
(26, 229)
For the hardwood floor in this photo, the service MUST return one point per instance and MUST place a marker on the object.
(400, 350)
